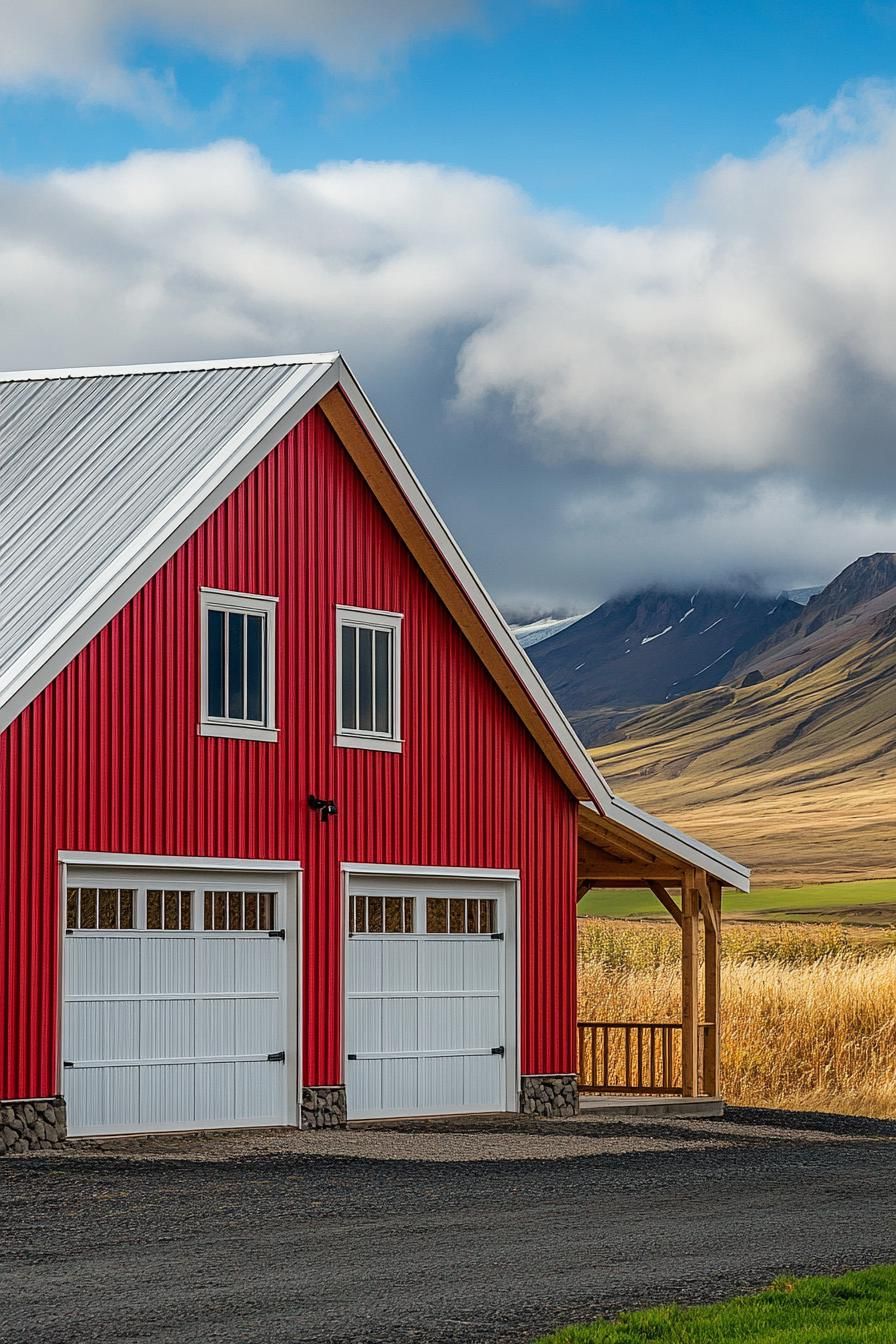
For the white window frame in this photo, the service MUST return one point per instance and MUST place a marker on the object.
(369, 619)
(244, 604)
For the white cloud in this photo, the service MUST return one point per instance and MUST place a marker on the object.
(716, 392)
(81, 46)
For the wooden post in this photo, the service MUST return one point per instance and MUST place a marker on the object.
(712, 918)
(690, 917)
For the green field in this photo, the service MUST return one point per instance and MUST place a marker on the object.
(855, 1309)
(846, 902)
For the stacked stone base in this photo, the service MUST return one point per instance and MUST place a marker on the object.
(26, 1125)
(553, 1095)
(324, 1108)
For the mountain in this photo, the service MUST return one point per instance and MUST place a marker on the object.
(535, 632)
(652, 647)
(791, 765)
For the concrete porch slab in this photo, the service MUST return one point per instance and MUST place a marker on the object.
(683, 1107)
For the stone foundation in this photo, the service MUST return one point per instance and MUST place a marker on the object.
(25, 1125)
(554, 1095)
(324, 1108)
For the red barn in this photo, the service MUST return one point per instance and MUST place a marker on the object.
(292, 832)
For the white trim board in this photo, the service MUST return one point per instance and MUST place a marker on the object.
(99, 859)
(105, 595)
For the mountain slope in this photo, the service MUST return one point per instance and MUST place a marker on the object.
(650, 648)
(795, 775)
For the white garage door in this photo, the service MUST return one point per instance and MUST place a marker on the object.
(175, 1000)
(428, 1026)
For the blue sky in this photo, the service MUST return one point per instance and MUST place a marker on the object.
(618, 273)
(600, 106)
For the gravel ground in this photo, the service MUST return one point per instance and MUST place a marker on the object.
(491, 1230)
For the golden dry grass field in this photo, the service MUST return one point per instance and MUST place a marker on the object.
(795, 777)
(808, 1011)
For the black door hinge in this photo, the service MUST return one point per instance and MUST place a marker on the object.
(276, 933)
(67, 1064)
(278, 1057)
(497, 937)
(497, 1050)
(351, 1056)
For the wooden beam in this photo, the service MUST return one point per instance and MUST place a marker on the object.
(363, 453)
(616, 838)
(665, 899)
(712, 971)
(636, 874)
(690, 915)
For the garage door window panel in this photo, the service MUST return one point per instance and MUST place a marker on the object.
(382, 914)
(168, 911)
(100, 908)
(449, 914)
(239, 911)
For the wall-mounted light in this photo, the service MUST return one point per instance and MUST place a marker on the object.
(326, 807)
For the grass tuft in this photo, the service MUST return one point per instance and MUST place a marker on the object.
(858, 1308)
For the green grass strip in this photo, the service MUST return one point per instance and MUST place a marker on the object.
(857, 1308)
(785, 902)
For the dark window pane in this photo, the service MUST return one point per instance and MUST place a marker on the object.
(235, 686)
(126, 910)
(209, 914)
(456, 914)
(375, 914)
(383, 680)
(71, 908)
(108, 910)
(436, 914)
(220, 919)
(255, 668)
(409, 914)
(365, 679)
(153, 909)
(349, 672)
(487, 922)
(216, 663)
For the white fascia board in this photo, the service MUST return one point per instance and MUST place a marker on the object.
(189, 366)
(101, 859)
(596, 786)
(676, 842)
(593, 781)
(145, 553)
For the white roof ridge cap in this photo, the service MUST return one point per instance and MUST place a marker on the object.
(183, 366)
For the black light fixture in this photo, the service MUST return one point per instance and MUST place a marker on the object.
(326, 807)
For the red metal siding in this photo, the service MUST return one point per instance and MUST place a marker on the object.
(108, 758)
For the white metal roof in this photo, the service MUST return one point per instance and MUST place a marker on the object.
(105, 472)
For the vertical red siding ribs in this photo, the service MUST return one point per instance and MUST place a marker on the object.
(108, 758)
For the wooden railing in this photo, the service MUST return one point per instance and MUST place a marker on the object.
(630, 1057)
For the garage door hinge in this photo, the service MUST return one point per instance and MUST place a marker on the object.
(276, 933)
(497, 937)
(67, 1064)
(497, 1050)
(351, 1056)
(278, 1057)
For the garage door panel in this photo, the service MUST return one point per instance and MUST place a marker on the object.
(166, 1096)
(482, 965)
(167, 1029)
(441, 1023)
(364, 967)
(441, 1083)
(364, 1025)
(483, 1082)
(215, 1027)
(482, 1025)
(442, 964)
(257, 1092)
(110, 1096)
(399, 966)
(167, 964)
(214, 1092)
(103, 1029)
(258, 1029)
(400, 1085)
(400, 1025)
(215, 965)
(102, 964)
(364, 1084)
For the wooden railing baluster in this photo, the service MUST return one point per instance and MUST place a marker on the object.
(655, 1069)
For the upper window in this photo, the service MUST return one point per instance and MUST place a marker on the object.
(238, 665)
(368, 679)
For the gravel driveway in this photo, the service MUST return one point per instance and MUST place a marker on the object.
(466, 1231)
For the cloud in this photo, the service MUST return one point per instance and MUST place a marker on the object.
(81, 46)
(590, 406)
